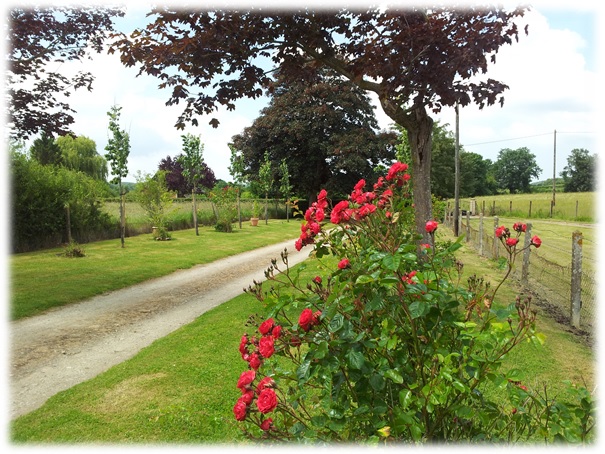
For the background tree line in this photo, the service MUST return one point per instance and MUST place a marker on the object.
(319, 126)
(303, 135)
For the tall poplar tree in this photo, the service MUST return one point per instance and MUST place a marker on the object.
(118, 149)
(192, 162)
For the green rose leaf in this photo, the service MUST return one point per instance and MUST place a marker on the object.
(355, 359)
(394, 376)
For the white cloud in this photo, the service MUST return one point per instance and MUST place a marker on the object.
(549, 89)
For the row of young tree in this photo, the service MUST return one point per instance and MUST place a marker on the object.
(58, 186)
(320, 133)
(415, 60)
(440, 58)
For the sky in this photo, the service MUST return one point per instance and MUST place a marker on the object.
(552, 75)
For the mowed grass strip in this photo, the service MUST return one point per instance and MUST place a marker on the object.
(181, 389)
(45, 279)
(556, 238)
(563, 356)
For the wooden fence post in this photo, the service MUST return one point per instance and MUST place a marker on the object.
(481, 234)
(447, 214)
(510, 207)
(576, 209)
(576, 278)
(468, 225)
(526, 252)
(529, 216)
(496, 239)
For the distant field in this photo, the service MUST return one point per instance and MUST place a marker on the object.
(179, 214)
(570, 206)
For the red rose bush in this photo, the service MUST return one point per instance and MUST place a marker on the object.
(386, 344)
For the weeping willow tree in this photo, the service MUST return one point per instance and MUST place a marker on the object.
(80, 153)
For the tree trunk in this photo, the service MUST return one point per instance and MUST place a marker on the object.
(122, 216)
(68, 222)
(239, 209)
(420, 136)
(194, 212)
(419, 126)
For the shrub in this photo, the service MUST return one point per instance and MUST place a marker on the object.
(153, 196)
(390, 346)
(73, 249)
(40, 196)
(223, 225)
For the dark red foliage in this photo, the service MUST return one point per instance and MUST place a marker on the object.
(38, 37)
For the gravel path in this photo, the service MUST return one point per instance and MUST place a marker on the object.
(56, 350)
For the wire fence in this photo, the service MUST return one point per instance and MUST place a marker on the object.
(564, 281)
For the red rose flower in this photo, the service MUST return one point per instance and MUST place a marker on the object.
(536, 241)
(320, 215)
(500, 231)
(317, 280)
(316, 316)
(344, 263)
(306, 319)
(267, 401)
(298, 244)
(247, 397)
(243, 345)
(519, 227)
(255, 361)
(266, 346)
(379, 184)
(360, 184)
(309, 214)
(266, 326)
(396, 168)
(431, 226)
(266, 382)
(276, 332)
(339, 212)
(365, 210)
(314, 227)
(246, 378)
(267, 424)
(512, 241)
(240, 410)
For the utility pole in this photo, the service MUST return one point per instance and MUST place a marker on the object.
(554, 169)
(457, 175)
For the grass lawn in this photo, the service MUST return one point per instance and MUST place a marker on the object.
(571, 206)
(181, 389)
(556, 237)
(562, 357)
(45, 279)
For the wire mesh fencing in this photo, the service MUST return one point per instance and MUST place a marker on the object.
(549, 271)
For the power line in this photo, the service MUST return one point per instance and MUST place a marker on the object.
(527, 137)
(506, 140)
